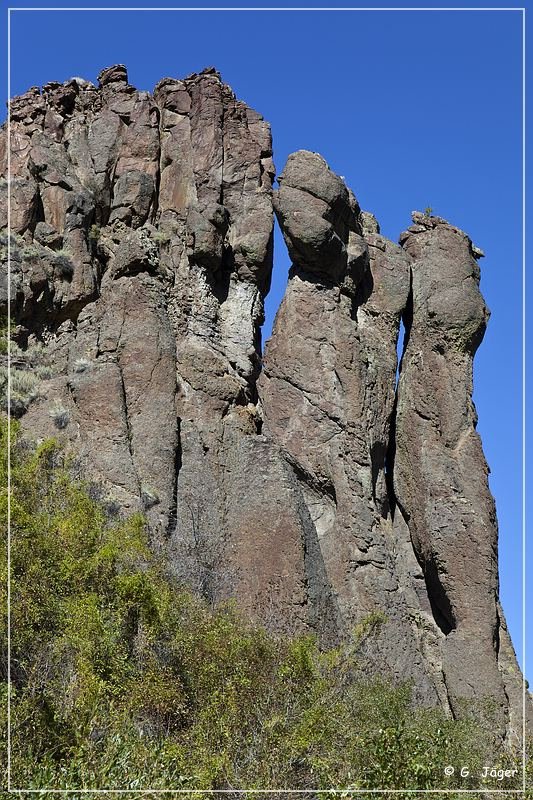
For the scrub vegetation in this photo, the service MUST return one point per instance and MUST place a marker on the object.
(122, 680)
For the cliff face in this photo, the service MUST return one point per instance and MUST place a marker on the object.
(314, 487)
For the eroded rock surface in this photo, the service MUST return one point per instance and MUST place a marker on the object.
(327, 390)
(316, 488)
(440, 473)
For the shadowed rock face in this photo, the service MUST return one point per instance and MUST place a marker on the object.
(310, 486)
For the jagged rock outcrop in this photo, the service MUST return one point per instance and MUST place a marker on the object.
(310, 486)
(141, 251)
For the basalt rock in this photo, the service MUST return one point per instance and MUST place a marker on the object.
(314, 486)
(440, 473)
(328, 393)
(141, 251)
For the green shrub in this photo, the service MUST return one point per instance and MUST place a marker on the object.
(63, 264)
(60, 415)
(123, 680)
(162, 236)
(24, 389)
(29, 367)
(82, 365)
(30, 251)
(94, 233)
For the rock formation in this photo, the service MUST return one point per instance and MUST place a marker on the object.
(316, 487)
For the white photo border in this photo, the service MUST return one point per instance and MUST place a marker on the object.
(349, 790)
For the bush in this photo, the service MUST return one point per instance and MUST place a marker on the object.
(60, 416)
(29, 367)
(63, 265)
(94, 233)
(149, 497)
(82, 365)
(123, 680)
(162, 236)
(24, 389)
(30, 251)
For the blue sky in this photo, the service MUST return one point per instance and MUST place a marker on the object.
(413, 108)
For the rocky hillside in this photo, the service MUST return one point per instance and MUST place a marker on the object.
(307, 482)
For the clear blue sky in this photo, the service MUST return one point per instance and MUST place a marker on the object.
(414, 108)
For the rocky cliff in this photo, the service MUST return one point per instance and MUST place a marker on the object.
(310, 483)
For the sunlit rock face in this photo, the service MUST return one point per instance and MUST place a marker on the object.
(322, 485)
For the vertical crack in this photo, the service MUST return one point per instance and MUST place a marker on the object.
(173, 511)
(155, 201)
(129, 430)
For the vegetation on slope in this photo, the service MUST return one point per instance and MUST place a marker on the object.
(122, 680)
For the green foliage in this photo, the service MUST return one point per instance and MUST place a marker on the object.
(122, 680)
(28, 368)
(162, 236)
(60, 416)
(10, 242)
(30, 251)
(94, 233)
(24, 389)
(3, 335)
(428, 211)
(81, 365)
(63, 264)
